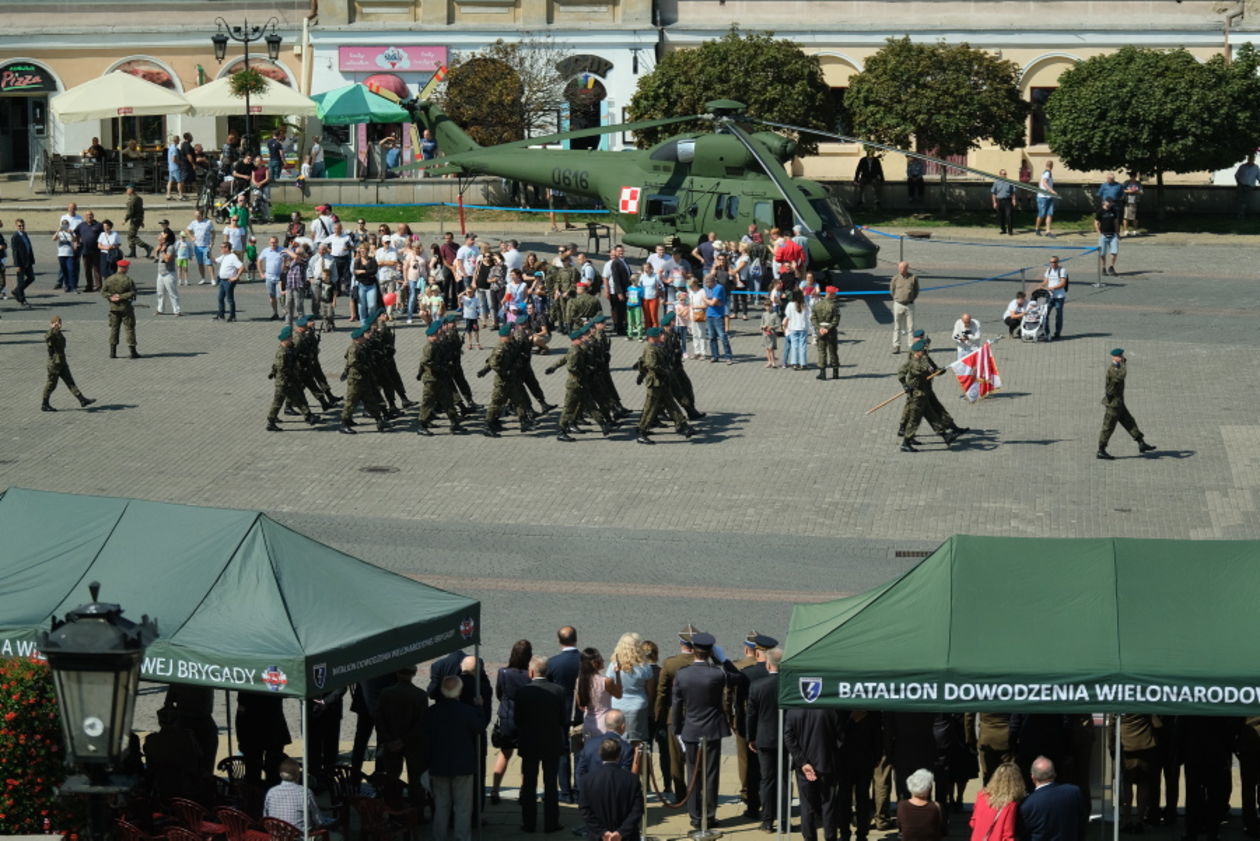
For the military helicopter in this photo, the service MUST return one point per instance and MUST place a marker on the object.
(684, 186)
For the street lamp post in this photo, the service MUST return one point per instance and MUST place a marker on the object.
(246, 35)
(94, 655)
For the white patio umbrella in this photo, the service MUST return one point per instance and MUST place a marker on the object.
(215, 99)
(116, 94)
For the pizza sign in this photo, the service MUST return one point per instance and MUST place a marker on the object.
(629, 200)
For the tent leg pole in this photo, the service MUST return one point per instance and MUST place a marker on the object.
(227, 702)
(306, 779)
(780, 796)
(479, 779)
(1115, 785)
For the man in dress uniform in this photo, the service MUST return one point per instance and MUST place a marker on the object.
(699, 721)
(1117, 412)
(751, 668)
(812, 736)
(663, 706)
(763, 740)
(993, 741)
(825, 315)
(120, 291)
(58, 368)
(284, 370)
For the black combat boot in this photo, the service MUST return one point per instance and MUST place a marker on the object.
(423, 429)
(1144, 447)
(134, 354)
(311, 419)
(835, 373)
(1104, 455)
(564, 435)
(85, 401)
(546, 407)
(46, 407)
(822, 373)
(643, 438)
(113, 351)
(907, 447)
(272, 426)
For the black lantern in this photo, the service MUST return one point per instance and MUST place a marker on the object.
(95, 656)
(220, 40)
(273, 45)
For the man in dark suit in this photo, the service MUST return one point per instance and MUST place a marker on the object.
(751, 668)
(699, 720)
(562, 670)
(610, 799)
(664, 708)
(812, 736)
(1053, 811)
(451, 664)
(542, 737)
(23, 261)
(861, 741)
(589, 759)
(763, 740)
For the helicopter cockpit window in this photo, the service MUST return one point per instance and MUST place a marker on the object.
(832, 212)
(719, 210)
(662, 205)
(732, 207)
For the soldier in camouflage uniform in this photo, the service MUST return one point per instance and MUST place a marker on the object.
(525, 365)
(285, 371)
(679, 382)
(654, 373)
(942, 421)
(439, 386)
(306, 343)
(576, 396)
(602, 342)
(120, 291)
(359, 385)
(58, 368)
(561, 283)
(507, 387)
(584, 306)
(135, 221)
(453, 350)
(918, 386)
(1116, 411)
(825, 316)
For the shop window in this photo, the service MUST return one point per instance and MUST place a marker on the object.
(841, 124)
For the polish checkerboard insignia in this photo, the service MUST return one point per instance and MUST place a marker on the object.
(629, 200)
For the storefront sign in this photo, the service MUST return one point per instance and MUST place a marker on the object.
(374, 59)
(24, 77)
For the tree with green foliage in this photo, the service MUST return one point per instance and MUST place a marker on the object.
(1156, 111)
(945, 98)
(774, 78)
(505, 92)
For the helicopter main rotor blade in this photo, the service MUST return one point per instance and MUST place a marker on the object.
(846, 139)
(790, 192)
(595, 131)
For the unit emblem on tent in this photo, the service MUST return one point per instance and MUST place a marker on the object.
(275, 679)
(467, 627)
(320, 673)
(811, 688)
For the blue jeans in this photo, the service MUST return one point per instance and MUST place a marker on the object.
(108, 265)
(227, 292)
(715, 329)
(65, 272)
(414, 288)
(1056, 304)
(681, 332)
(369, 299)
(796, 348)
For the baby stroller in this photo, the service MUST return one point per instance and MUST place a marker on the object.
(1035, 326)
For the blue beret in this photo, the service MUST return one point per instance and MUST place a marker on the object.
(703, 640)
(919, 345)
(505, 330)
(286, 333)
(1117, 351)
(358, 332)
(653, 332)
(433, 328)
(303, 321)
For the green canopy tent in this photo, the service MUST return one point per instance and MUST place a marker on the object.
(1053, 625)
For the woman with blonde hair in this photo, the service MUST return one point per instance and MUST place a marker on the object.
(993, 818)
(632, 683)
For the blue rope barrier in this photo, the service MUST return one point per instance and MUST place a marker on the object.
(478, 207)
(978, 244)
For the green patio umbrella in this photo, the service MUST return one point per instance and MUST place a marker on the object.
(356, 104)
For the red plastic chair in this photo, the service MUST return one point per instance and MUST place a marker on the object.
(178, 833)
(377, 821)
(128, 831)
(192, 817)
(239, 826)
(285, 831)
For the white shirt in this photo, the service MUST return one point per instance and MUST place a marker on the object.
(468, 255)
(513, 259)
(202, 232)
(795, 318)
(235, 237)
(1016, 308)
(65, 244)
(75, 221)
(229, 265)
(317, 153)
(1057, 282)
(322, 228)
(1047, 181)
(971, 342)
(108, 240)
(338, 244)
(317, 265)
(661, 264)
(384, 272)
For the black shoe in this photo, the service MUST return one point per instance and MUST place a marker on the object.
(835, 373)
(346, 430)
(393, 412)
(907, 447)
(423, 429)
(333, 399)
(643, 438)
(1144, 447)
(822, 374)
(564, 435)
(382, 425)
(274, 317)
(751, 814)
(324, 405)
(231, 318)
(491, 432)
(962, 430)
(949, 438)
(134, 354)
(766, 826)
(310, 419)
(272, 426)
(113, 351)
(687, 430)
(695, 414)
(901, 431)
(605, 429)
(546, 407)
(1104, 455)
(914, 441)
(46, 407)
(407, 404)
(1112, 271)
(289, 410)
(86, 401)
(456, 429)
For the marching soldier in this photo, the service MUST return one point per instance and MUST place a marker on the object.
(603, 345)
(917, 383)
(525, 366)
(120, 291)
(1117, 412)
(359, 385)
(584, 306)
(679, 382)
(825, 316)
(453, 351)
(58, 368)
(306, 343)
(135, 221)
(435, 373)
(942, 421)
(285, 371)
(573, 397)
(503, 361)
(654, 372)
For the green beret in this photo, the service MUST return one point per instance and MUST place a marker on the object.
(653, 332)
(433, 328)
(919, 334)
(505, 330)
(919, 345)
(667, 318)
(451, 317)
(601, 318)
(358, 333)
(577, 334)
(286, 333)
(303, 321)
(377, 313)
(1117, 351)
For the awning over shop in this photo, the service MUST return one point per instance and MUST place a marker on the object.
(1044, 624)
(241, 601)
(215, 99)
(116, 94)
